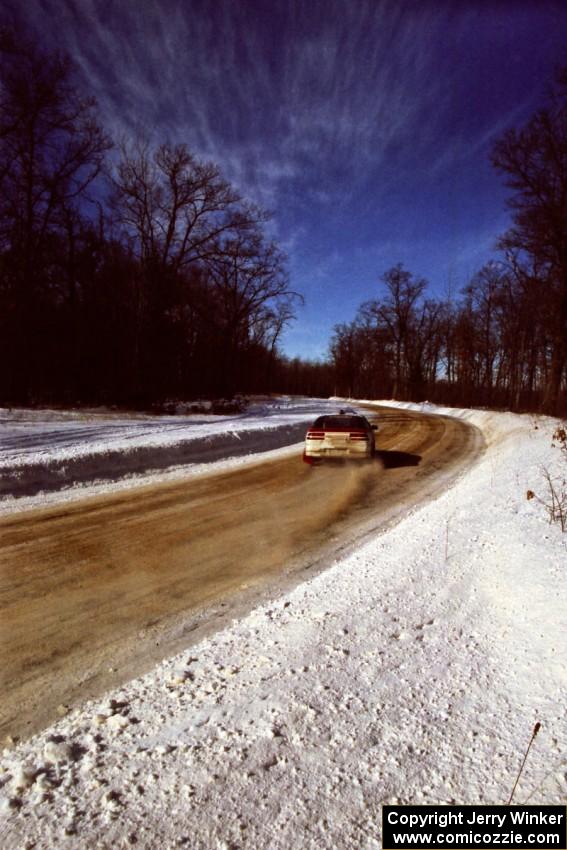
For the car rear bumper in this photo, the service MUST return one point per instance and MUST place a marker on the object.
(351, 453)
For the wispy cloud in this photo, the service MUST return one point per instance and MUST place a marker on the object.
(326, 102)
(364, 125)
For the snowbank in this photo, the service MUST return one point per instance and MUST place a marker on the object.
(49, 456)
(412, 670)
(45, 436)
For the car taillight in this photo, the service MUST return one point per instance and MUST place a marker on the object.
(315, 435)
(359, 435)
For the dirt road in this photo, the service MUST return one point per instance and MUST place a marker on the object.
(94, 592)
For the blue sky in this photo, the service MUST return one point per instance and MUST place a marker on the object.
(364, 125)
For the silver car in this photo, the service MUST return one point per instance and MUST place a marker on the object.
(340, 435)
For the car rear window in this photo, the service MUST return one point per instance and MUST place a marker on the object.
(327, 423)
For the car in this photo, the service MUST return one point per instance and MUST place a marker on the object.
(346, 434)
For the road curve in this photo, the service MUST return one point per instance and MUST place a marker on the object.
(96, 591)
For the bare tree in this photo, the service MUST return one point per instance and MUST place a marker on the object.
(252, 291)
(184, 219)
(534, 162)
(51, 150)
(349, 348)
(51, 145)
(482, 294)
(397, 312)
(176, 207)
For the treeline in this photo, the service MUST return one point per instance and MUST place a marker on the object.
(492, 347)
(503, 342)
(129, 273)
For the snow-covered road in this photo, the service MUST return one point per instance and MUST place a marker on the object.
(122, 580)
(46, 451)
(412, 670)
(30, 436)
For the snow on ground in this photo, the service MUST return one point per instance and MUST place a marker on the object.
(412, 670)
(177, 472)
(49, 456)
(43, 436)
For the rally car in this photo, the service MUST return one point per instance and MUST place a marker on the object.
(346, 434)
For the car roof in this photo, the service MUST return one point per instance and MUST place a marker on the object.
(343, 420)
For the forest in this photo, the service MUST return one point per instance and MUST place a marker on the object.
(502, 342)
(133, 273)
